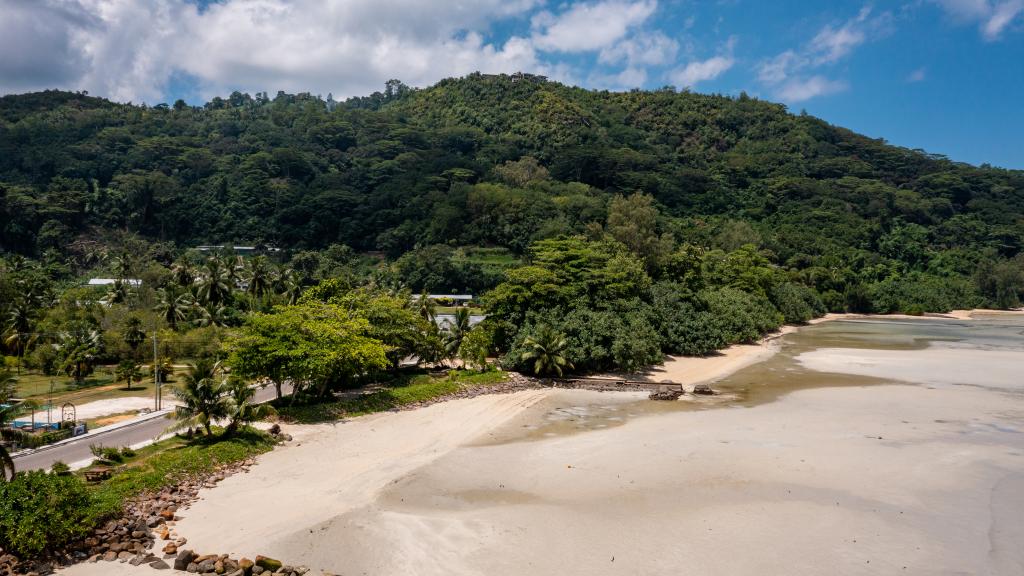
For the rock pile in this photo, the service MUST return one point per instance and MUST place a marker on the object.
(145, 534)
(515, 383)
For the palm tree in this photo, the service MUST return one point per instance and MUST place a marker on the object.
(8, 388)
(210, 315)
(174, 304)
(203, 396)
(133, 335)
(259, 277)
(166, 369)
(243, 410)
(291, 286)
(78, 348)
(214, 282)
(546, 349)
(425, 306)
(182, 274)
(129, 371)
(119, 292)
(20, 322)
(455, 331)
(6, 461)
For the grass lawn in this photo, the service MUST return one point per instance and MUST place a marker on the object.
(169, 461)
(402, 391)
(100, 386)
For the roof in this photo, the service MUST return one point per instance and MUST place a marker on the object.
(445, 296)
(109, 281)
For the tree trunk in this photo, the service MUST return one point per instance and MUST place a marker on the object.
(277, 387)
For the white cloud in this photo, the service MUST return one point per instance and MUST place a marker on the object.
(831, 43)
(127, 50)
(917, 75)
(627, 79)
(589, 26)
(647, 49)
(798, 90)
(700, 71)
(793, 74)
(991, 17)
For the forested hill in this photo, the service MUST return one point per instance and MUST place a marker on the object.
(503, 161)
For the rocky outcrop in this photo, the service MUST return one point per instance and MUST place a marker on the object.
(145, 534)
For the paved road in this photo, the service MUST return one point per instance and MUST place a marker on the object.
(73, 452)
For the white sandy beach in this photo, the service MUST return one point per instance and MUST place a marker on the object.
(923, 477)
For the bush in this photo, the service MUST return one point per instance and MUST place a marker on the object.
(744, 317)
(41, 512)
(106, 453)
(60, 468)
(796, 302)
(620, 337)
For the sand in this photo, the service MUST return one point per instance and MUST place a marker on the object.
(925, 477)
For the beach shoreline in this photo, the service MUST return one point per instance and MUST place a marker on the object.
(862, 479)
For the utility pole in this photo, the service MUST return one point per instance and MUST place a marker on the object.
(156, 371)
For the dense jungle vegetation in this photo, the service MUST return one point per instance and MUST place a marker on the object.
(598, 229)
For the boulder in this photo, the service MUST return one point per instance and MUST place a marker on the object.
(269, 564)
(159, 565)
(184, 558)
(110, 556)
(703, 389)
(171, 548)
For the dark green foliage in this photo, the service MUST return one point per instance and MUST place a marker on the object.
(922, 293)
(41, 512)
(796, 302)
(743, 317)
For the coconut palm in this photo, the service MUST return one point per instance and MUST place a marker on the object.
(174, 304)
(8, 388)
(77, 349)
(215, 282)
(546, 349)
(455, 330)
(119, 292)
(243, 410)
(133, 335)
(425, 306)
(290, 286)
(129, 371)
(7, 469)
(182, 274)
(259, 277)
(203, 396)
(20, 323)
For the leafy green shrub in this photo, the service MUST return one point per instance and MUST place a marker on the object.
(745, 317)
(127, 452)
(796, 302)
(107, 454)
(923, 293)
(618, 337)
(40, 512)
(60, 468)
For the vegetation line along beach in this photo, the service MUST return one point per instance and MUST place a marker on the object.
(290, 276)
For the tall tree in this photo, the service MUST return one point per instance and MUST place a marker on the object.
(203, 395)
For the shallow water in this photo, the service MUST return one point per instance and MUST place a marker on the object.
(983, 352)
(904, 481)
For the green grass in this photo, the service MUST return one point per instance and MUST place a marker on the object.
(100, 386)
(403, 391)
(168, 462)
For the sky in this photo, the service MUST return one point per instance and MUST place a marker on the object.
(946, 76)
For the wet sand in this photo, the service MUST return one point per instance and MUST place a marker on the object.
(852, 450)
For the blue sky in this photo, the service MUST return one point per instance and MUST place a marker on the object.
(943, 75)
